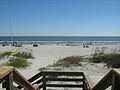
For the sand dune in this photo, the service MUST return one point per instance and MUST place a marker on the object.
(46, 54)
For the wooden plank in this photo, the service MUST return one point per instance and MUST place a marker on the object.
(9, 81)
(65, 79)
(41, 86)
(44, 81)
(64, 85)
(104, 83)
(2, 79)
(38, 75)
(36, 86)
(116, 72)
(15, 88)
(115, 83)
(60, 73)
(5, 71)
(20, 80)
(88, 81)
(108, 80)
(39, 81)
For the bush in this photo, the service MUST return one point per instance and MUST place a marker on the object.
(18, 63)
(69, 61)
(25, 55)
(2, 55)
(112, 59)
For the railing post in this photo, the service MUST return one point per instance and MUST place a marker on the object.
(115, 82)
(9, 81)
(44, 81)
(84, 84)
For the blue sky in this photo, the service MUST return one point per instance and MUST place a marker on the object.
(60, 17)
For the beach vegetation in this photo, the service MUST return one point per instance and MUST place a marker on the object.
(18, 60)
(18, 63)
(5, 54)
(25, 55)
(112, 58)
(69, 61)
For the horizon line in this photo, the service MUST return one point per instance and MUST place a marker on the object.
(63, 35)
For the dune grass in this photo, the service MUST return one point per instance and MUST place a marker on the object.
(5, 54)
(69, 61)
(112, 59)
(18, 63)
(25, 55)
(18, 60)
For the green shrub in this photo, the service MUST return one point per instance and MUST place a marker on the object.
(2, 55)
(69, 61)
(112, 59)
(18, 63)
(25, 55)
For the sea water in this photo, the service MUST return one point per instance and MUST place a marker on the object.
(62, 39)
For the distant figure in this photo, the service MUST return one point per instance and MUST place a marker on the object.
(14, 43)
(4, 44)
(85, 46)
(35, 45)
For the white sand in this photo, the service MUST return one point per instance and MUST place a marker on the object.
(47, 54)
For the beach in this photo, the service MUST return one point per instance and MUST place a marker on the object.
(46, 55)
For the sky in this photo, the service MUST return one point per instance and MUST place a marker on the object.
(60, 17)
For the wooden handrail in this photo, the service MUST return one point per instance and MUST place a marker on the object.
(7, 73)
(108, 80)
(89, 81)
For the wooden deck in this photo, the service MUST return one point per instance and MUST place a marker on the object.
(47, 79)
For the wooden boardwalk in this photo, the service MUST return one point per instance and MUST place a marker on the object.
(11, 79)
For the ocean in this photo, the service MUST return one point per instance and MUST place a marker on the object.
(63, 39)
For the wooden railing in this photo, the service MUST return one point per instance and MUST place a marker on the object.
(111, 79)
(62, 79)
(11, 79)
(10, 76)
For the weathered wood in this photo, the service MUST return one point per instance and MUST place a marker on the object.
(104, 83)
(44, 81)
(60, 73)
(20, 80)
(9, 74)
(53, 76)
(5, 71)
(38, 75)
(64, 85)
(2, 79)
(39, 81)
(41, 86)
(15, 88)
(36, 86)
(115, 83)
(9, 81)
(88, 81)
(65, 79)
(108, 80)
